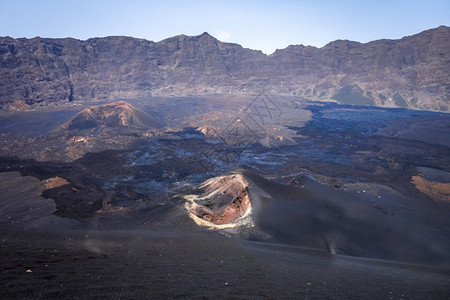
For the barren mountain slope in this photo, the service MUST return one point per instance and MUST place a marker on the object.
(410, 72)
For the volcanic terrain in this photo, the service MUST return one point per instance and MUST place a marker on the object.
(409, 72)
(194, 168)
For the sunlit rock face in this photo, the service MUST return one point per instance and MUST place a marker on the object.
(410, 72)
(222, 202)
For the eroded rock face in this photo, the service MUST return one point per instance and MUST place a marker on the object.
(410, 72)
(224, 200)
(54, 182)
(439, 191)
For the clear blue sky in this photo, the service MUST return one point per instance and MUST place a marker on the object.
(262, 25)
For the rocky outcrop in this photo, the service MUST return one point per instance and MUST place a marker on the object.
(117, 114)
(410, 72)
(223, 201)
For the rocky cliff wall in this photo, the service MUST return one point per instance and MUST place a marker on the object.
(411, 72)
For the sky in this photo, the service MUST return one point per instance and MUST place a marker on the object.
(261, 25)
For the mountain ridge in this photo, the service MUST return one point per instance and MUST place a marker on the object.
(410, 72)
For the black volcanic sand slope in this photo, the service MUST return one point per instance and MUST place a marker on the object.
(343, 190)
(143, 264)
(344, 222)
(385, 224)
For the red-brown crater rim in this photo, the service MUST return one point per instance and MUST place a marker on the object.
(224, 201)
